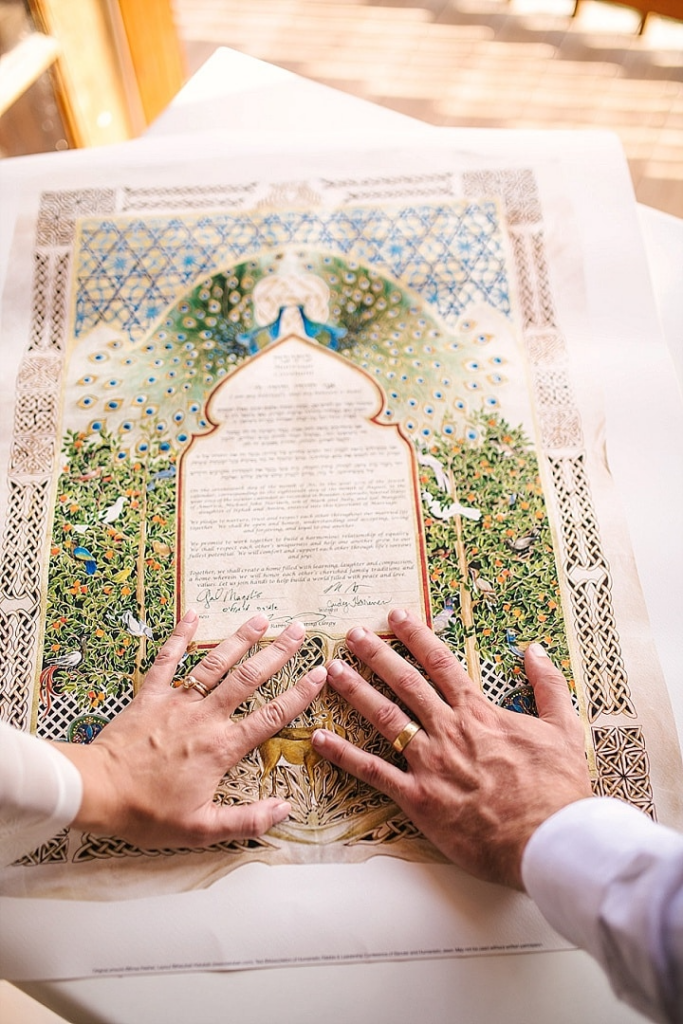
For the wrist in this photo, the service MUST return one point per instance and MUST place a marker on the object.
(95, 811)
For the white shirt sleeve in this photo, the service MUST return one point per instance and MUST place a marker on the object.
(610, 880)
(40, 792)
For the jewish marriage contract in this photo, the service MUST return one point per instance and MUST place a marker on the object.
(318, 396)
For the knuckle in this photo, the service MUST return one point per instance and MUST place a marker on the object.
(414, 631)
(201, 836)
(408, 680)
(170, 652)
(255, 821)
(353, 685)
(473, 705)
(248, 674)
(388, 718)
(274, 714)
(373, 772)
(246, 633)
(553, 677)
(438, 660)
(216, 662)
(285, 644)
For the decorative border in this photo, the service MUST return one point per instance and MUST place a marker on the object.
(623, 766)
(620, 754)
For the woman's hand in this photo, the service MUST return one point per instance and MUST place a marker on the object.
(480, 779)
(151, 774)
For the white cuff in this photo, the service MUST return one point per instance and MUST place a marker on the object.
(610, 880)
(40, 792)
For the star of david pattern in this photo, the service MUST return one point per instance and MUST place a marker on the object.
(131, 270)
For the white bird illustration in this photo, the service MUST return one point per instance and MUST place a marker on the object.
(448, 511)
(442, 619)
(111, 514)
(80, 528)
(135, 626)
(425, 459)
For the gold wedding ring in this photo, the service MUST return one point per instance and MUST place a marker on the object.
(405, 736)
(190, 683)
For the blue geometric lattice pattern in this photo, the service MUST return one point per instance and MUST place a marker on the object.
(129, 270)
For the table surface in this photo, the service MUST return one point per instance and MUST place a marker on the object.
(230, 93)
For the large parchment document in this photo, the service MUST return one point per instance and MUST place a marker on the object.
(319, 391)
(325, 525)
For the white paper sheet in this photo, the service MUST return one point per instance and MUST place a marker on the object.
(287, 916)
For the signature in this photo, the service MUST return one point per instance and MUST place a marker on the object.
(335, 606)
(228, 597)
(310, 619)
(342, 587)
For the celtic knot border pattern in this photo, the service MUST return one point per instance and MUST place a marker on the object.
(184, 196)
(56, 849)
(623, 766)
(590, 584)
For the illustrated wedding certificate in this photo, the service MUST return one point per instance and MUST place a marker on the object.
(318, 399)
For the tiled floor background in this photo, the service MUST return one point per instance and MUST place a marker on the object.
(489, 63)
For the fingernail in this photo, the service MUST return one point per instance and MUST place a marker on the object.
(356, 634)
(259, 621)
(397, 616)
(296, 630)
(281, 812)
(319, 737)
(190, 616)
(318, 674)
(537, 650)
(335, 669)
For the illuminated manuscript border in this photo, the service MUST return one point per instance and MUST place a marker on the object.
(618, 752)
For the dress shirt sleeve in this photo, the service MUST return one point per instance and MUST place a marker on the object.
(40, 792)
(609, 879)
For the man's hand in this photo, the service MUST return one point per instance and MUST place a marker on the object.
(480, 779)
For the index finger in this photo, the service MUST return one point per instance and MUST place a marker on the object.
(165, 664)
(441, 665)
(551, 692)
(260, 725)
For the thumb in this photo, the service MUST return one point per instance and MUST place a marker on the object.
(247, 821)
(551, 692)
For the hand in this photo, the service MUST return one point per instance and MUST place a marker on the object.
(480, 778)
(151, 774)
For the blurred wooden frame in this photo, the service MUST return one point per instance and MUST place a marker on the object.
(664, 8)
(117, 64)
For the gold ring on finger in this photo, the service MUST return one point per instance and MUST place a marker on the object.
(192, 683)
(405, 736)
